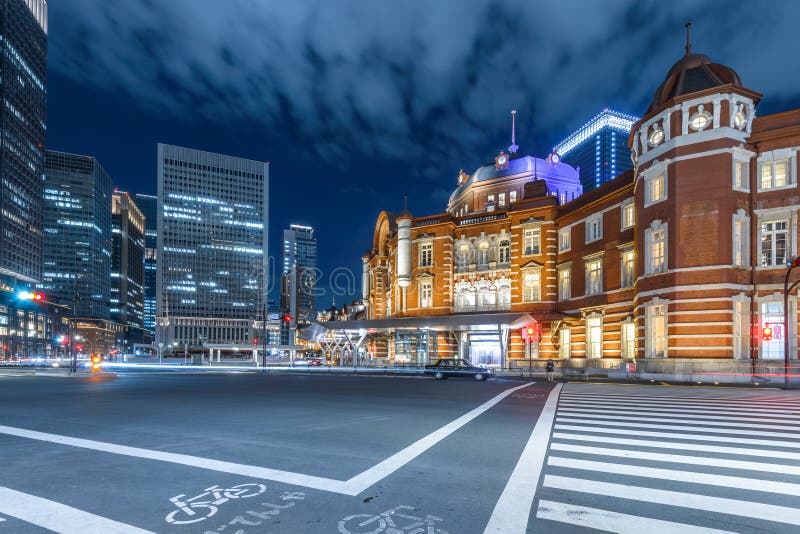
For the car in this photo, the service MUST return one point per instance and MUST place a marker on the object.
(316, 362)
(457, 367)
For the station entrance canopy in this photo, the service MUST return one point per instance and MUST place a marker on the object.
(482, 338)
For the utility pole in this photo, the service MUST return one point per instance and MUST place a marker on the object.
(786, 289)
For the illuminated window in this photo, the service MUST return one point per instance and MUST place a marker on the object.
(564, 349)
(594, 336)
(512, 196)
(483, 253)
(776, 174)
(656, 324)
(594, 276)
(627, 215)
(531, 286)
(462, 256)
(741, 327)
(531, 241)
(501, 199)
(655, 189)
(628, 340)
(564, 283)
(656, 248)
(426, 294)
(628, 268)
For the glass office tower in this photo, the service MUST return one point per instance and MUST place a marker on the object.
(77, 234)
(299, 279)
(127, 267)
(25, 327)
(212, 247)
(149, 206)
(599, 148)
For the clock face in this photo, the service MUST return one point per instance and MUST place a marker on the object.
(699, 121)
(656, 137)
(556, 159)
(502, 160)
(739, 119)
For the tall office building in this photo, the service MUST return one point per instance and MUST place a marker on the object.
(77, 234)
(149, 206)
(127, 267)
(212, 247)
(599, 148)
(23, 73)
(299, 279)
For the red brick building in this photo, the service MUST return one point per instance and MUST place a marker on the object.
(681, 260)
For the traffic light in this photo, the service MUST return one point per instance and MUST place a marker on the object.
(766, 333)
(27, 295)
(287, 318)
(255, 341)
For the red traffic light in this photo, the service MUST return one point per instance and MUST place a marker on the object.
(5, 347)
(255, 341)
(766, 333)
(287, 318)
(28, 295)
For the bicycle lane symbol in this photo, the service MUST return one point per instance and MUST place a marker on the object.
(204, 505)
(396, 520)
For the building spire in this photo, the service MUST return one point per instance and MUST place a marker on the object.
(513, 148)
(688, 38)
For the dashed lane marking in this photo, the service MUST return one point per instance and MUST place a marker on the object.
(58, 517)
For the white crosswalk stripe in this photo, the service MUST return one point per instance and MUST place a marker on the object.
(665, 459)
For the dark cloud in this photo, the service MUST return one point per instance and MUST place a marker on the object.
(417, 89)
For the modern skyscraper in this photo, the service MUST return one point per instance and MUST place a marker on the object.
(299, 278)
(77, 234)
(127, 267)
(23, 78)
(212, 247)
(149, 206)
(599, 148)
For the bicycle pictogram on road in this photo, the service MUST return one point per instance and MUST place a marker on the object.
(206, 504)
(396, 520)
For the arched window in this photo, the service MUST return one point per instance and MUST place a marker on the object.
(462, 256)
(464, 296)
(503, 294)
(504, 251)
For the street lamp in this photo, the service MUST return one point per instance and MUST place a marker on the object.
(786, 289)
(160, 349)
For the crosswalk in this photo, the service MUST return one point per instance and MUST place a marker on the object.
(660, 460)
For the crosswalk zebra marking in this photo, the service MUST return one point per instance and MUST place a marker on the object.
(754, 510)
(580, 417)
(689, 429)
(680, 458)
(677, 435)
(692, 477)
(691, 409)
(607, 520)
(646, 416)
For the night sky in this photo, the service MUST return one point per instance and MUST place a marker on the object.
(358, 103)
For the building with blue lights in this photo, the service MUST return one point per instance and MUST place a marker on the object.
(149, 206)
(599, 148)
(23, 87)
(212, 248)
(77, 234)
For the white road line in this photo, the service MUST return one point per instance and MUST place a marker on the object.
(683, 436)
(58, 517)
(678, 407)
(511, 513)
(679, 445)
(378, 472)
(782, 469)
(754, 510)
(623, 414)
(606, 520)
(583, 418)
(692, 477)
(353, 486)
(701, 429)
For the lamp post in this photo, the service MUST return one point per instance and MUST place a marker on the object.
(160, 349)
(786, 289)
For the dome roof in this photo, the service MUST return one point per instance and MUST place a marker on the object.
(692, 73)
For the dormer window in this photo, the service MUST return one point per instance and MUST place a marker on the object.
(700, 120)
(656, 136)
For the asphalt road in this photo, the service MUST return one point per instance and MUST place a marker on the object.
(242, 453)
